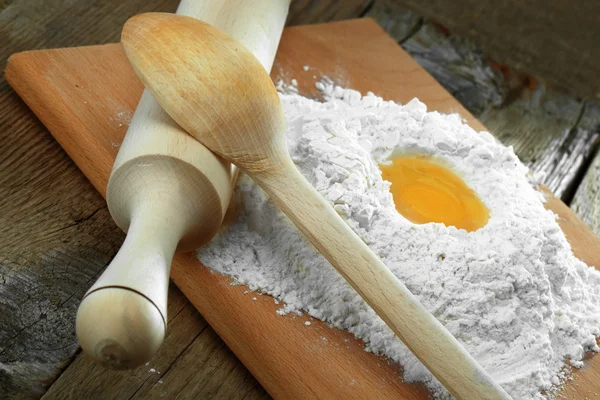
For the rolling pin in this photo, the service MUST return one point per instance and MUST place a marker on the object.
(169, 193)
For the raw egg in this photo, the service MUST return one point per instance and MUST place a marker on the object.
(425, 190)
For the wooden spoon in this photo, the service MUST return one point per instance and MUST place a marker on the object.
(219, 93)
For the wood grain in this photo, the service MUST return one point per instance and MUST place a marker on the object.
(555, 41)
(399, 22)
(314, 11)
(544, 129)
(586, 201)
(240, 315)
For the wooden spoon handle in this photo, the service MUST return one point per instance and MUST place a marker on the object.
(422, 333)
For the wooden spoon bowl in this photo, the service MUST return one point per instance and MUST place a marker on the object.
(229, 94)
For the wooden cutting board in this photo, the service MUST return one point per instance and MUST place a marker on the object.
(86, 97)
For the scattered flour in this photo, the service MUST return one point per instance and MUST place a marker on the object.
(512, 292)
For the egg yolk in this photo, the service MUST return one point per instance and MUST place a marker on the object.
(426, 191)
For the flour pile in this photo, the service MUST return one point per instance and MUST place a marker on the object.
(511, 292)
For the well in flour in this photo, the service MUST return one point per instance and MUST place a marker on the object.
(425, 190)
(511, 292)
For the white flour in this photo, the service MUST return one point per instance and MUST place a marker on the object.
(512, 292)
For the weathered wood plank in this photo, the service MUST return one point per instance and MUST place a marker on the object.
(543, 128)
(586, 202)
(459, 66)
(399, 22)
(555, 41)
(314, 11)
(55, 237)
(4, 4)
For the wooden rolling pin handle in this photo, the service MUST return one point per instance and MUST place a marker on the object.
(121, 322)
(119, 328)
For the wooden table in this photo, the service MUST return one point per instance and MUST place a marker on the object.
(56, 235)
